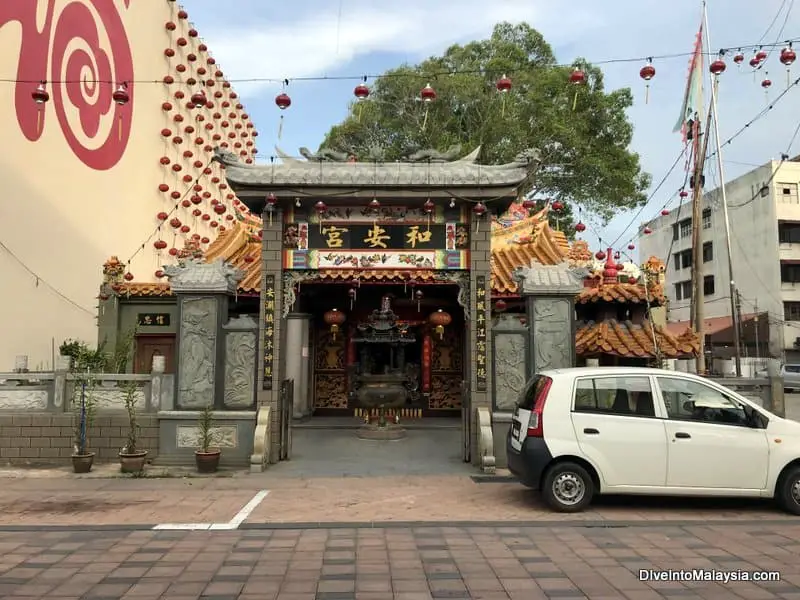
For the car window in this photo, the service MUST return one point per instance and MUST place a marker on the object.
(626, 395)
(793, 368)
(693, 401)
(528, 396)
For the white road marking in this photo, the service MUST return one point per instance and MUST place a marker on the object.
(234, 523)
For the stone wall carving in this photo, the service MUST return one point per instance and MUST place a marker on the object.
(23, 399)
(111, 399)
(240, 375)
(195, 276)
(224, 436)
(510, 372)
(197, 360)
(552, 333)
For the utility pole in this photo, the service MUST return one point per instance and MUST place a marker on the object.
(758, 335)
(739, 332)
(698, 299)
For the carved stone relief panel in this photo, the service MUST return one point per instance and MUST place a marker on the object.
(197, 360)
(224, 436)
(23, 399)
(510, 372)
(553, 343)
(111, 399)
(240, 369)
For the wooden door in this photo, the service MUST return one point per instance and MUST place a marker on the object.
(148, 346)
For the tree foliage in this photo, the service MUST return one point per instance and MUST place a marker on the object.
(586, 161)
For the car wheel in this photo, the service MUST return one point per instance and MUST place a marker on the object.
(567, 487)
(788, 494)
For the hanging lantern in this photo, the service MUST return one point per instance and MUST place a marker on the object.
(418, 295)
(361, 91)
(580, 227)
(198, 99)
(440, 319)
(352, 293)
(600, 255)
(631, 247)
(175, 223)
(616, 255)
(647, 72)
(320, 207)
(647, 231)
(529, 205)
(558, 206)
(761, 55)
(40, 94)
(738, 58)
(479, 210)
(503, 86)
(683, 194)
(788, 56)
(500, 305)
(664, 212)
(427, 95)
(766, 84)
(374, 205)
(283, 101)
(121, 95)
(754, 62)
(718, 67)
(576, 78)
(159, 245)
(428, 208)
(272, 202)
(334, 318)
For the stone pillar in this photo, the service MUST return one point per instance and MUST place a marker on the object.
(203, 290)
(269, 389)
(297, 362)
(479, 327)
(549, 293)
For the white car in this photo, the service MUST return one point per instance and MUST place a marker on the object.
(627, 430)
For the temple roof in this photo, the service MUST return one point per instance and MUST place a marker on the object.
(422, 171)
(629, 340)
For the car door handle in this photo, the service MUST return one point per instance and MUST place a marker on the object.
(591, 431)
(682, 435)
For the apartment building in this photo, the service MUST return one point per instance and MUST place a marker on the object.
(764, 214)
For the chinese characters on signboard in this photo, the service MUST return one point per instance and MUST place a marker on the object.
(480, 332)
(269, 330)
(377, 236)
(153, 319)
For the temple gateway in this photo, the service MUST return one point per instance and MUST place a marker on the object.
(422, 286)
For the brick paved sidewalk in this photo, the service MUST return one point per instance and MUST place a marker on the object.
(147, 502)
(396, 564)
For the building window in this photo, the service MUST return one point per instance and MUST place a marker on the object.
(788, 193)
(683, 290)
(706, 218)
(708, 252)
(683, 260)
(675, 235)
(791, 311)
(686, 228)
(708, 285)
(790, 273)
(789, 233)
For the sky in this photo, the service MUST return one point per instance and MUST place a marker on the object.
(337, 38)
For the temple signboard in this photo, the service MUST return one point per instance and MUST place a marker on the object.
(394, 238)
(480, 333)
(269, 331)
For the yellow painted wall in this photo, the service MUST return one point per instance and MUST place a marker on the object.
(66, 207)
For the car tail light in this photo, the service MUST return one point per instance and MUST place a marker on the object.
(535, 425)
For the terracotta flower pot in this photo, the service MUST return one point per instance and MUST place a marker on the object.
(207, 462)
(132, 463)
(82, 463)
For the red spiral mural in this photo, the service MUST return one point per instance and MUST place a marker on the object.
(96, 129)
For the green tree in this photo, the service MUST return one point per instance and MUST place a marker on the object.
(586, 161)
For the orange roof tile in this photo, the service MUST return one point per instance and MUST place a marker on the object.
(623, 293)
(628, 340)
(143, 289)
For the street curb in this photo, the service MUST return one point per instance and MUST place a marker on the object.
(418, 525)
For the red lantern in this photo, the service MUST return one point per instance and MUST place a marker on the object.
(500, 305)
(761, 55)
(272, 200)
(429, 206)
(374, 204)
(220, 209)
(163, 187)
(440, 319)
(213, 224)
(175, 222)
(40, 94)
(503, 85)
(600, 255)
(173, 252)
(754, 62)
(159, 244)
(427, 94)
(248, 259)
(529, 205)
(121, 95)
(647, 72)
(320, 207)
(580, 227)
(479, 209)
(664, 212)
(717, 67)
(361, 91)
(738, 58)
(162, 216)
(199, 99)
(205, 240)
(334, 318)
(159, 274)
(186, 203)
(577, 77)
(766, 84)
(558, 206)
(631, 247)
(283, 101)
(647, 231)
(185, 229)
(683, 194)
(128, 276)
(788, 56)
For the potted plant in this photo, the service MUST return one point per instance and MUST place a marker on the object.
(206, 456)
(131, 458)
(82, 459)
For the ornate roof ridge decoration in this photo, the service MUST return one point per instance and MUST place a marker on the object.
(633, 340)
(197, 276)
(425, 168)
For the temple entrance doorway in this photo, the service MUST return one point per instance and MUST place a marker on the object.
(378, 344)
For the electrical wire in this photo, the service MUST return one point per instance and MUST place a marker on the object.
(428, 74)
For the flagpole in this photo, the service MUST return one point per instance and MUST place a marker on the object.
(733, 291)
